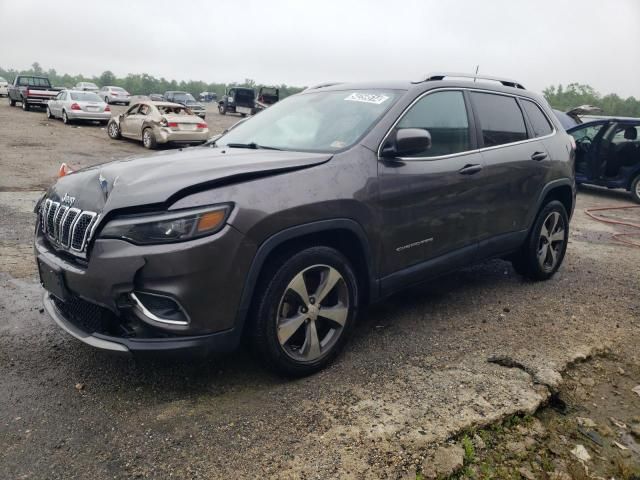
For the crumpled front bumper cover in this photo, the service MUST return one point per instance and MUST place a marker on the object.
(219, 342)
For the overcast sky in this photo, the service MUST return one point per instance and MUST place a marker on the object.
(304, 42)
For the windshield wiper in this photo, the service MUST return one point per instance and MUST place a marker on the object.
(252, 145)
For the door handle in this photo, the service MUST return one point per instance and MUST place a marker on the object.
(537, 156)
(470, 169)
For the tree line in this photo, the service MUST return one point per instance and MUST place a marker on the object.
(560, 97)
(575, 94)
(141, 83)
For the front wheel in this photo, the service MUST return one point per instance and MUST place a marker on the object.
(113, 130)
(222, 109)
(305, 307)
(149, 139)
(635, 189)
(545, 247)
(25, 105)
(106, 100)
(12, 102)
(49, 116)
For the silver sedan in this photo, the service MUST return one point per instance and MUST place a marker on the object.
(70, 105)
(114, 95)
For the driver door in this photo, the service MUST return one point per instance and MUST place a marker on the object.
(431, 202)
(128, 121)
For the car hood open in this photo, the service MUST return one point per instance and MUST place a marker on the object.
(160, 179)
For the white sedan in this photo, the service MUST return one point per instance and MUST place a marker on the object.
(70, 105)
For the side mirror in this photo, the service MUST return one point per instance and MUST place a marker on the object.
(408, 141)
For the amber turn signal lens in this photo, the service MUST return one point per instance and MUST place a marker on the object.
(211, 220)
(64, 170)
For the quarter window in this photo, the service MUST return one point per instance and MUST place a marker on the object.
(500, 118)
(537, 118)
(444, 116)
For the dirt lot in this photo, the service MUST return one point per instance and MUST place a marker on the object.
(426, 373)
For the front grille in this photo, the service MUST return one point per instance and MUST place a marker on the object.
(87, 316)
(67, 228)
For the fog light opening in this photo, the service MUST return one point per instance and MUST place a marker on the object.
(159, 308)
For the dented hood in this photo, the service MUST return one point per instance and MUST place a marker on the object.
(164, 177)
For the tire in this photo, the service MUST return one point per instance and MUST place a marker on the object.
(222, 109)
(277, 305)
(49, 115)
(12, 102)
(243, 115)
(149, 139)
(113, 130)
(65, 119)
(543, 251)
(635, 189)
(106, 100)
(25, 105)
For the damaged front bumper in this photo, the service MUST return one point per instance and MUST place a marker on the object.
(131, 298)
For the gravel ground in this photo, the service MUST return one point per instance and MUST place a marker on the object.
(422, 367)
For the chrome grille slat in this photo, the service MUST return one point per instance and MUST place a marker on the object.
(67, 228)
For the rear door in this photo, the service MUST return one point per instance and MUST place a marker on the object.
(516, 163)
(428, 201)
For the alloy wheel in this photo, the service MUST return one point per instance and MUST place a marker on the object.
(65, 119)
(312, 313)
(551, 241)
(638, 189)
(113, 130)
(146, 138)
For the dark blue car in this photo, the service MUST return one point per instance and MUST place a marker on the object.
(608, 153)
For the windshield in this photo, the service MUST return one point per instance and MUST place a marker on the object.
(317, 122)
(85, 97)
(184, 97)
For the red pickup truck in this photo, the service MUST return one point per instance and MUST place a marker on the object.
(30, 90)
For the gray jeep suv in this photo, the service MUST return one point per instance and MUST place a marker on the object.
(284, 227)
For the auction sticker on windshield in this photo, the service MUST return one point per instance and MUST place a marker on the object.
(367, 98)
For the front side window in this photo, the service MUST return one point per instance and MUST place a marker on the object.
(537, 118)
(500, 118)
(444, 115)
(133, 109)
(317, 121)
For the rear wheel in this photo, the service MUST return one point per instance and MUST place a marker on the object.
(113, 130)
(149, 139)
(65, 118)
(543, 252)
(635, 189)
(306, 306)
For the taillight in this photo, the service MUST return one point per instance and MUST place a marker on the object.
(75, 106)
(172, 124)
(107, 109)
(202, 126)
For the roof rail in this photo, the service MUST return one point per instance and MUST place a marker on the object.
(322, 85)
(504, 81)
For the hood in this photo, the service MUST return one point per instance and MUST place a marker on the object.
(163, 178)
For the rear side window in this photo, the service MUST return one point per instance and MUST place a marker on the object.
(537, 118)
(444, 115)
(500, 118)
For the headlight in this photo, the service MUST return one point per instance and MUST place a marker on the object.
(168, 227)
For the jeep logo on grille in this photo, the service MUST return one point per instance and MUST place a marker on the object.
(68, 199)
